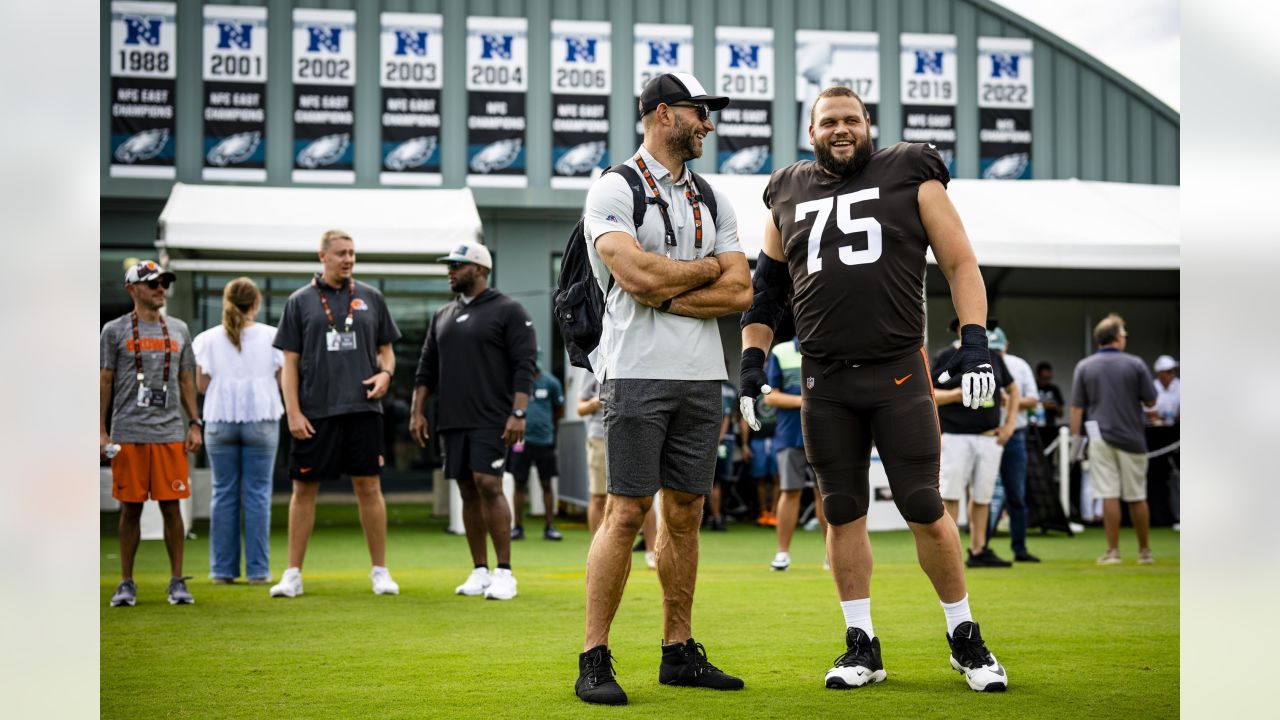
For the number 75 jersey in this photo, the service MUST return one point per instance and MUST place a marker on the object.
(855, 248)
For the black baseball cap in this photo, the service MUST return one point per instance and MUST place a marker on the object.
(672, 88)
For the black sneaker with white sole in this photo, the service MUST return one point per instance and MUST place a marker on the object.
(686, 664)
(861, 663)
(595, 678)
(986, 558)
(970, 657)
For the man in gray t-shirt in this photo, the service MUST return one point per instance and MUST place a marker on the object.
(1108, 392)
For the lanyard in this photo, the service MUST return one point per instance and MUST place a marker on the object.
(662, 206)
(351, 305)
(137, 348)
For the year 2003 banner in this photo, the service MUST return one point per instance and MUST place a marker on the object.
(143, 69)
(412, 73)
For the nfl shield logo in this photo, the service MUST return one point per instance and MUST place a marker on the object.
(808, 383)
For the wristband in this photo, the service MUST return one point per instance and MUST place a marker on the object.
(390, 375)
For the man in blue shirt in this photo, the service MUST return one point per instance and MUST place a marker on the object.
(788, 443)
(546, 407)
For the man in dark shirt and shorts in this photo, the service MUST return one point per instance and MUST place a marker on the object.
(845, 251)
(336, 334)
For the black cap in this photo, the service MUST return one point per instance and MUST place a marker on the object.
(672, 88)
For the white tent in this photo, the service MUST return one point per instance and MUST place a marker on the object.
(1030, 223)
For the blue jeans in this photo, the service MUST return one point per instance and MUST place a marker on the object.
(243, 456)
(1013, 476)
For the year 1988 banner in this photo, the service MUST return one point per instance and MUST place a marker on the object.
(143, 68)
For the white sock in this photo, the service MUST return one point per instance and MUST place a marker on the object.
(957, 612)
(296, 571)
(857, 613)
(379, 567)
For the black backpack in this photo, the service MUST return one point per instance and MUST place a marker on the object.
(579, 304)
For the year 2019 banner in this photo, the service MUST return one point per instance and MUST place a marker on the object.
(744, 72)
(143, 72)
(1004, 108)
(412, 73)
(581, 80)
(497, 82)
(659, 49)
(324, 78)
(235, 92)
(827, 58)
(929, 89)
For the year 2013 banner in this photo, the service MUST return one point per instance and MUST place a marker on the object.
(497, 82)
(659, 49)
(1004, 108)
(744, 72)
(581, 80)
(235, 91)
(143, 72)
(324, 78)
(929, 87)
(825, 59)
(412, 73)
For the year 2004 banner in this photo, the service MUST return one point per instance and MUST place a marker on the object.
(497, 82)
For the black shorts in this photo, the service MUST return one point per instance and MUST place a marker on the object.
(541, 456)
(479, 451)
(890, 404)
(348, 444)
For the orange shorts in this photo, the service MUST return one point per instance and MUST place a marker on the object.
(156, 471)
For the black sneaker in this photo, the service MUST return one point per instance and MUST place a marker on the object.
(970, 657)
(551, 534)
(717, 525)
(859, 665)
(1026, 557)
(986, 558)
(517, 532)
(595, 678)
(687, 665)
(639, 546)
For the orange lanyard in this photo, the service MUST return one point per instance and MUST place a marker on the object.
(662, 206)
(351, 302)
(137, 348)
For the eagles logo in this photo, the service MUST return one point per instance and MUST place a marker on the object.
(579, 159)
(144, 145)
(497, 156)
(322, 151)
(1007, 167)
(747, 161)
(234, 149)
(412, 153)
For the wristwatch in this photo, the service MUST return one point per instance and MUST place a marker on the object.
(518, 413)
(197, 422)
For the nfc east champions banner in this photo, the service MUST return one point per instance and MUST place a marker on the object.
(1004, 108)
(143, 68)
(411, 74)
(324, 78)
(581, 81)
(929, 84)
(235, 86)
(744, 72)
(497, 80)
(659, 49)
(825, 59)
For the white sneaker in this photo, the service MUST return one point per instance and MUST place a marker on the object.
(826, 563)
(476, 583)
(502, 585)
(781, 561)
(382, 582)
(651, 559)
(290, 584)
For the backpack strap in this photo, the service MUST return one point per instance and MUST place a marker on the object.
(639, 202)
(706, 195)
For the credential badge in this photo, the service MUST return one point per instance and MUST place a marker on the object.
(808, 382)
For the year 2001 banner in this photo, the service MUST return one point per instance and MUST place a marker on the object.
(143, 69)
(235, 92)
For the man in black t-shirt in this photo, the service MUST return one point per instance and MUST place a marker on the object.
(845, 250)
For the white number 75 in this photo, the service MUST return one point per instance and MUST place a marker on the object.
(847, 224)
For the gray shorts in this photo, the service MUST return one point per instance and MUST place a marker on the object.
(661, 433)
(792, 465)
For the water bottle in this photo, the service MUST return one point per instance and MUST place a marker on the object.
(1040, 417)
(110, 450)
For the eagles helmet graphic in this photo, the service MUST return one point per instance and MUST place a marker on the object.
(325, 150)
(747, 161)
(580, 159)
(497, 156)
(143, 145)
(1007, 167)
(412, 153)
(234, 149)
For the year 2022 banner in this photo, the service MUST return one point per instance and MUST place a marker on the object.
(581, 80)
(659, 49)
(497, 82)
(143, 72)
(324, 78)
(827, 58)
(929, 90)
(235, 92)
(744, 72)
(412, 73)
(1004, 108)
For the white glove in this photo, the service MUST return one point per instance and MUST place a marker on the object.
(748, 407)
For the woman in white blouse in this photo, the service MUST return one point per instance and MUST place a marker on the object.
(238, 371)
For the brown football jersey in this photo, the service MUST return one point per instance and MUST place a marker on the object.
(855, 249)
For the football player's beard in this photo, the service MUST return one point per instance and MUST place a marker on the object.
(463, 286)
(681, 143)
(843, 168)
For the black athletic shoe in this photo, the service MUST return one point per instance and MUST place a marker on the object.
(595, 678)
(551, 533)
(859, 665)
(517, 532)
(687, 665)
(1026, 557)
(970, 657)
(639, 546)
(986, 558)
(717, 525)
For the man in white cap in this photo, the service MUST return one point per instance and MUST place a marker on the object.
(1168, 407)
(479, 357)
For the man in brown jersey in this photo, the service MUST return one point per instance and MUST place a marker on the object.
(844, 249)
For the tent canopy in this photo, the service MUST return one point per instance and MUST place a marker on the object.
(1030, 223)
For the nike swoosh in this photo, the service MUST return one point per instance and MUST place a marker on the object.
(896, 381)
(528, 323)
(304, 470)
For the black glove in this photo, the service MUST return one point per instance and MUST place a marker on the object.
(752, 382)
(972, 361)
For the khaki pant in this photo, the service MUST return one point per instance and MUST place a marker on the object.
(1115, 473)
(596, 466)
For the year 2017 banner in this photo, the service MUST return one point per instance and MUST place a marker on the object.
(929, 88)
(412, 73)
(1004, 108)
(825, 59)
(235, 92)
(324, 78)
(581, 80)
(744, 72)
(143, 72)
(659, 49)
(497, 82)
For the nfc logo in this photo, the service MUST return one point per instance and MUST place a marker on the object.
(231, 34)
(583, 49)
(661, 53)
(1004, 65)
(142, 30)
(740, 55)
(408, 41)
(496, 46)
(324, 38)
(928, 62)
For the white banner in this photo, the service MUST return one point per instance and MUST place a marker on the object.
(235, 77)
(1005, 100)
(658, 49)
(497, 54)
(324, 47)
(143, 71)
(929, 83)
(744, 63)
(828, 58)
(324, 77)
(497, 83)
(411, 73)
(143, 40)
(412, 50)
(1005, 73)
(235, 43)
(581, 58)
(581, 80)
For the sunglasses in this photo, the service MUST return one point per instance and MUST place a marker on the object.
(154, 284)
(456, 265)
(704, 112)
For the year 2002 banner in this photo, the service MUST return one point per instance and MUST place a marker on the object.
(825, 59)
(143, 69)
(744, 72)
(581, 80)
(497, 82)
(929, 83)
(324, 78)
(412, 73)
(1004, 108)
(235, 91)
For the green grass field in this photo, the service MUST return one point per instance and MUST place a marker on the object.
(1078, 640)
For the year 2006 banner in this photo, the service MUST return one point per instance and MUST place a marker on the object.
(827, 58)
(143, 69)
(412, 73)
(744, 72)
(929, 83)
(235, 90)
(324, 78)
(1004, 108)
(581, 81)
(497, 81)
